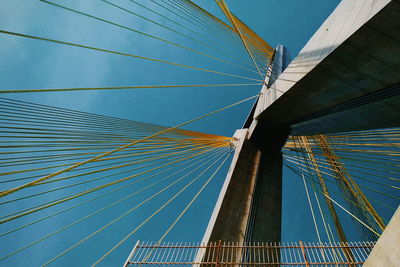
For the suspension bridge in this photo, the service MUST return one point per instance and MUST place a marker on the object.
(82, 188)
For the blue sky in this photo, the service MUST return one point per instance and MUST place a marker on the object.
(29, 64)
(36, 64)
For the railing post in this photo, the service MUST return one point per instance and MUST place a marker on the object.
(131, 254)
(218, 252)
(304, 253)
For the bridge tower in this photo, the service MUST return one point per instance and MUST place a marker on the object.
(308, 97)
(344, 79)
(249, 205)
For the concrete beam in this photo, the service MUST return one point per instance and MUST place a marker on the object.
(386, 252)
(354, 54)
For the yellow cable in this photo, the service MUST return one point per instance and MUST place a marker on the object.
(7, 192)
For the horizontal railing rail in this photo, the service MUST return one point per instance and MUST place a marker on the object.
(250, 254)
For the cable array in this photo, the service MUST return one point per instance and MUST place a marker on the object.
(69, 169)
(196, 31)
(39, 144)
(355, 172)
(85, 178)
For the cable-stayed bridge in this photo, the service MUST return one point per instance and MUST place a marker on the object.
(82, 186)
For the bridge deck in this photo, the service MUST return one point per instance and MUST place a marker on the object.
(347, 77)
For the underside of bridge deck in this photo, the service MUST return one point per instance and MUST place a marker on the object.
(343, 85)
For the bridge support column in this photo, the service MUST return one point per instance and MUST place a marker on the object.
(249, 205)
(265, 216)
(231, 217)
(250, 202)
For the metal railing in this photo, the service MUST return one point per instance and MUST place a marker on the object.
(249, 254)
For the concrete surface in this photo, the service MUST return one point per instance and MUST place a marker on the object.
(232, 218)
(241, 136)
(354, 54)
(386, 252)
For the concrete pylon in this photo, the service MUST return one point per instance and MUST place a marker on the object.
(248, 208)
(249, 204)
